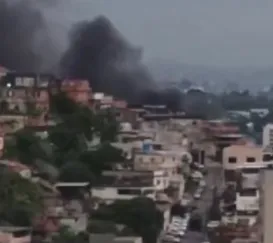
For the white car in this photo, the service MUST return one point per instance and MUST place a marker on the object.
(171, 238)
(176, 222)
(177, 218)
(174, 219)
(202, 183)
(197, 196)
(180, 233)
(187, 216)
(174, 227)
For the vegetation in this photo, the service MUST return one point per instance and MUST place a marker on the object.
(20, 199)
(139, 214)
(67, 236)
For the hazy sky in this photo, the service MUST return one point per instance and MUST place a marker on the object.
(207, 32)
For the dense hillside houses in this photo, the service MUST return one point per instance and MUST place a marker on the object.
(80, 165)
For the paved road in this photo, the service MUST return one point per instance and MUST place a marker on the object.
(213, 178)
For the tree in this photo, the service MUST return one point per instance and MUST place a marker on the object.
(106, 126)
(65, 235)
(195, 223)
(140, 214)
(102, 158)
(21, 200)
(62, 106)
(31, 109)
(75, 172)
(4, 106)
(24, 146)
(101, 227)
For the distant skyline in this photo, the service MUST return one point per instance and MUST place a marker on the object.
(233, 33)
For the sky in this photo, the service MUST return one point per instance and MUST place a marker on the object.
(233, 33)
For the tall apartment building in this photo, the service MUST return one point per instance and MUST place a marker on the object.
(266, 209)
(268, 135)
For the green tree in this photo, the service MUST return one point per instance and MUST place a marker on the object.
(75, 172)
(24, 146)
(106, 126)
(21, 199)
(62, 106)
(139, 214)
(65, 235)
(102, 158)
(101, 226)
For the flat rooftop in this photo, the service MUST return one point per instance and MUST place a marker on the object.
(135, 181)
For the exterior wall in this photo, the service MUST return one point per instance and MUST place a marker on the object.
(9, 238)
(266, 210)
(77, 224)
(159, 178)
(127, 239)
(111, 193)
(78, 90)
(157, 161)
(250, 180)
(241, 153)
(247, 203)
(17, 98)
(25, 173)
(12, 123)
(268, 135)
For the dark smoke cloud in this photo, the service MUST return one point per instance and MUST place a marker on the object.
(96, 51)
(99, 53)
(25, 44)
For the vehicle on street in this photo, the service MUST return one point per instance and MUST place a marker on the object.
(187, 216)
(202, 183)
(197, 176)
(197, 196)
(171, 238)
(179, 233)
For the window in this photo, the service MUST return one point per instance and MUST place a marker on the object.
(232, 160)
(248, 193)
(250, 159)
(10, 94)
(267, 157)
(129, 191)
(158, 182)
(251, 170)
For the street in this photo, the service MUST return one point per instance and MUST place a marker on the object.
(213, 178)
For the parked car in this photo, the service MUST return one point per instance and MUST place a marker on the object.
(197, 196)
(202, 183)
(171, 238)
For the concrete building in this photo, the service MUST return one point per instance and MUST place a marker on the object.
(78, 90)
(15, 234)
(266, 210)
(169, 161)
(159, 178)
(236, 155)
(268, 135)
(111, 238)
(222, 133)
(19, 89)
(247, 203)
(125, 185)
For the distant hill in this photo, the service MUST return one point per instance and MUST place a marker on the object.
(246, 78)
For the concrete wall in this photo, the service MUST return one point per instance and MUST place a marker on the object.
(241, 153)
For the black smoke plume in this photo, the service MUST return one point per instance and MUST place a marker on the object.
(24, 40)
(99, 53)
(96, 52)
